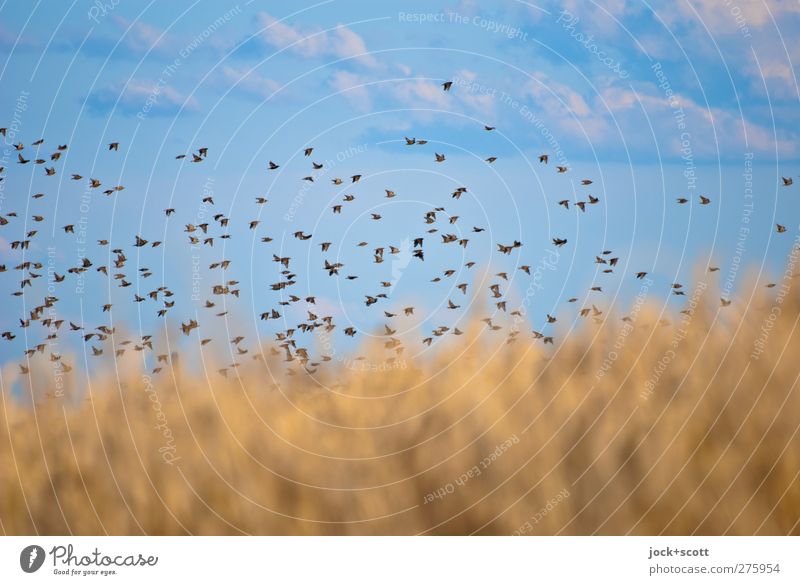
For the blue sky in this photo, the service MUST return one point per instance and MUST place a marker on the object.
(651, 101)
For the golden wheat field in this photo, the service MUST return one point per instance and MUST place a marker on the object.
(590, 437)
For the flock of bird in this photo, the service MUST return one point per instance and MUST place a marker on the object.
(288, 343)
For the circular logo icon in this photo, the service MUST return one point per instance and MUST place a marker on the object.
(31, 558)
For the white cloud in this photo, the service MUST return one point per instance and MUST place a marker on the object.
(738, 31)
(601, 16)
(250, 82)
(141, 37)
(346, 43)
(354, 92)
(170, 96)
(420, 92)
(778, 77)
(340, 42)
(140, 97)
(711, 129)
(721, 19)
(564, 107)
(475, 101)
